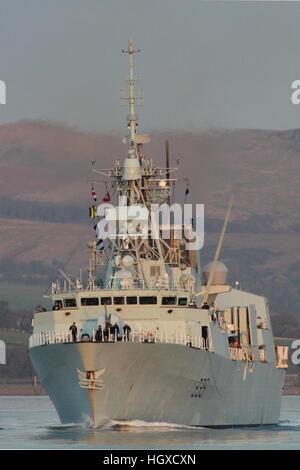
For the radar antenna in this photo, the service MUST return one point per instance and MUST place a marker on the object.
(134, 96)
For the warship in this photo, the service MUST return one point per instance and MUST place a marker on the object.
(159, 339)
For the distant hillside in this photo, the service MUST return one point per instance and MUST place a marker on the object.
(45, 163)
(44, 195)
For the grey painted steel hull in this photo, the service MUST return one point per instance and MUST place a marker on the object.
(158, 383)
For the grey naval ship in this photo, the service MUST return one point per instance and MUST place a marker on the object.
(159, 339)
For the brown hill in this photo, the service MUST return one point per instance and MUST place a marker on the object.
(44, 169)
(50, 163)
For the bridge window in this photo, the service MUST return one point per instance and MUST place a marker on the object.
(131, 300)
(57, 305)
(168, 301)
(87, 301)
(119, 301)
(70, 303)
(182, 301)
(148, 300)
(105, 300)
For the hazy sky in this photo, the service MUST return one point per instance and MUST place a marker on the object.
(203, 64)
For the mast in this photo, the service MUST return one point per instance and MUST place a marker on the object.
(140, 183)
(132, 97)
(167, 168)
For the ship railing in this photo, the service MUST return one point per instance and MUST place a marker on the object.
(50, 337)
(240, 354)
(282, 353)
(168, 337)
(58, 288)
(262, 355)
(134, 336)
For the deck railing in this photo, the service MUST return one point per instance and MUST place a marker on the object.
(240, 354)
(58, 288)
(262, 355)
(143, 336)
(135, 336)
(243, 354)
(282, 354)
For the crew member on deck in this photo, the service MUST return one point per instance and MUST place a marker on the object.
(106, 332)
(73, 329)
(205, 305)
(98, 335)
(126, 331)
(115, 330)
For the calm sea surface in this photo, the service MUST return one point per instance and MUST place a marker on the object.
(32, 423)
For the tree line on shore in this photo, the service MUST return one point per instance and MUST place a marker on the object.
(78, 213)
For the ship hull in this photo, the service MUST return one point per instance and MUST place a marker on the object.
(158, 383)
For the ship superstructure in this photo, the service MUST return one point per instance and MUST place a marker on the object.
(159, 340)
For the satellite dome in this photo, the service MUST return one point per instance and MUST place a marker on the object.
(220, 275)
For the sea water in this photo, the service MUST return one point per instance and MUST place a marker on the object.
(32, 423)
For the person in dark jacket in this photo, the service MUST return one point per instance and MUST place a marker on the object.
(106, 332)
(73, 329)
(115, 331)
(126, 331)
(205, 305)
(98, 335)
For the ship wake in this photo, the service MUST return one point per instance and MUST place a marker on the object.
(116, 425)
(138, 425)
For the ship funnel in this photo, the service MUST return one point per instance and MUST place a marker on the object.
(220, 275)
